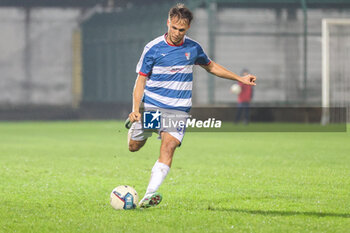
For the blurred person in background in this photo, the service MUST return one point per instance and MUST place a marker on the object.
(244, 98)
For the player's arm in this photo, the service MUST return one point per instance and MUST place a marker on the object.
(222, 72)
(139, 88)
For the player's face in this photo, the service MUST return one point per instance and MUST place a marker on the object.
(177, 29)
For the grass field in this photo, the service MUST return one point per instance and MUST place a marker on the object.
(57, 177)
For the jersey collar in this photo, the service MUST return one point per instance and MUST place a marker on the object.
(183, 41)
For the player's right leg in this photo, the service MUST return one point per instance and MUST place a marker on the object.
(160, 169)
(171, 139)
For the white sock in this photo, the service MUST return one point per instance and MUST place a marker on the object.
(159, 172)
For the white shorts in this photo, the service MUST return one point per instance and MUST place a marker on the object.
(138, 133)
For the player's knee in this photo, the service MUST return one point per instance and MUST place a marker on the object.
(133, 148)
(171, 146)
(136, 145)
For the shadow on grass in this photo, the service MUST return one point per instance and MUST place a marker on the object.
(281, 213)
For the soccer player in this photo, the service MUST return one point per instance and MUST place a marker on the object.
(164, 83)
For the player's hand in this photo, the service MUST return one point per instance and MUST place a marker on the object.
(249, 79)
(135, 116)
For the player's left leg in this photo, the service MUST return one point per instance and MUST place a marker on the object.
(137, 137)
(136, 145)
(160, 170)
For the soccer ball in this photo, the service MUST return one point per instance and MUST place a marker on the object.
(235, 89)
(124, 197)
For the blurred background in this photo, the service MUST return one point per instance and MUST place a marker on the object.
(76, 59)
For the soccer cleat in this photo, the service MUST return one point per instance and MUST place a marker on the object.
(128, 123)
(150, 200)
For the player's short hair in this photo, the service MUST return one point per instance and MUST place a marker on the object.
(181, 12)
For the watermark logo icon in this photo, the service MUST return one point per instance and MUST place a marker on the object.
(152, 119)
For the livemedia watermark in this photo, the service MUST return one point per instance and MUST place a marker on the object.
(236, 120)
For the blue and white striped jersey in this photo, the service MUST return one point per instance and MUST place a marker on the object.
(170, 72)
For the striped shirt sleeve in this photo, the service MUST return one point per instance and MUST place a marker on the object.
(146, 62)
(202, 58)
